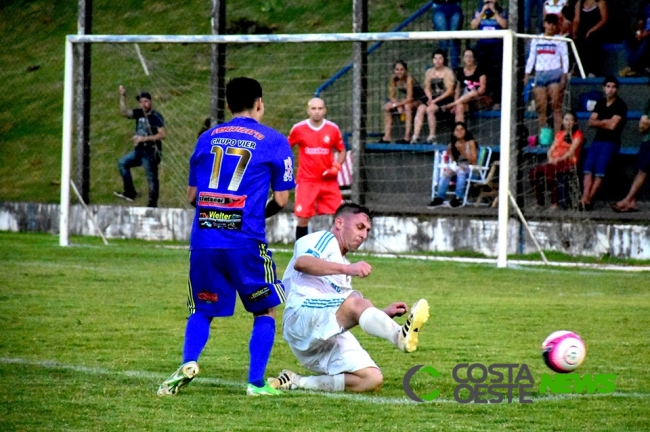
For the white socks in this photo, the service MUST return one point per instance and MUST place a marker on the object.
(322, 382)
(376, 323)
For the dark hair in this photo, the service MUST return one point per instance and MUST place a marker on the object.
(470, 49)
(442, 53)
(352, 208)
(575, 120)
(242, 93)
(402, 62)
(468, 137)
(611, 79)
(551, 19)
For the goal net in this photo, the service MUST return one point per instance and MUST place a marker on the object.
(394, 177)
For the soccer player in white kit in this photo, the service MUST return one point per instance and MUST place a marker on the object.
(322, 306)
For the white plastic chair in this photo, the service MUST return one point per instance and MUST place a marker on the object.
(479, 171)
(478, 174)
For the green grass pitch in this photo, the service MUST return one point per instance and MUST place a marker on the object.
(89, 332)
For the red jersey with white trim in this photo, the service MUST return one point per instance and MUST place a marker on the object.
(315, 146)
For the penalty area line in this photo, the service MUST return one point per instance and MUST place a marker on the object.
(375, 400)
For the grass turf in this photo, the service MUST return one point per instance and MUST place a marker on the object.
(89, 332)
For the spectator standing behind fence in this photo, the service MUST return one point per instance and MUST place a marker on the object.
(557, 8)
(405, 95)
(639, 49)
(563, 158)
(439, 89)
(471, 88)
(447, 15)
(608, 118)
(149, 133)
(589, 32)
(317, 190)
(550, 60)
(628, 204)
(463, 152)
(490, 51)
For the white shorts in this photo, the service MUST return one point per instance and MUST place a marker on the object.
(319, 342)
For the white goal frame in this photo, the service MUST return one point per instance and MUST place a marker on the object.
(507, 36)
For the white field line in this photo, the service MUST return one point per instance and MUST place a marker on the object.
(376, 400)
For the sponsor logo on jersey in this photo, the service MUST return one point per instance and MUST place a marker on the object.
(208, 297)
(210, 199)
(231, 220)
(260, 294)
(317, 151)
(233, 143)
(288, 170)
(237, 129)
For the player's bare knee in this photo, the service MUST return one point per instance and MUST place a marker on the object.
(355, 304)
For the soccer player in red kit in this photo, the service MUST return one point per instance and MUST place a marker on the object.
(317, 190)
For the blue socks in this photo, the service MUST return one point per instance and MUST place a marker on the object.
(260, 347)
(197, 333)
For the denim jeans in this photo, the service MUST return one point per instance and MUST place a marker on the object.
(449, 17)
(461, 180)
(528, 10)
(149, 158)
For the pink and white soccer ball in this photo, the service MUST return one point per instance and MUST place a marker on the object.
(563, 351)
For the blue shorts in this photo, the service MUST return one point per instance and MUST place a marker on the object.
(643, 158)
(217, 275)
(599, 155)
(546, 78)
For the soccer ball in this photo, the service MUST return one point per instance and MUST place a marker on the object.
(563, 351)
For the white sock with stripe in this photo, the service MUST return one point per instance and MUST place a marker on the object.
(376, 323)
(322, 382)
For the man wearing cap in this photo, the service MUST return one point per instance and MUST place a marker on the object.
(147, 151)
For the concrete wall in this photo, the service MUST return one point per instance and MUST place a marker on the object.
(389, 234)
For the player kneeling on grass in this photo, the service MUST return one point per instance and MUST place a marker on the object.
(322, 307)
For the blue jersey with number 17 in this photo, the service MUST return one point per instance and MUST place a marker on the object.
(232, 167)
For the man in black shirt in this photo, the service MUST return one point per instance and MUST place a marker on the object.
(149, 131)
(608, 118)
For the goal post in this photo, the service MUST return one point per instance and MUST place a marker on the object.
(296, 48)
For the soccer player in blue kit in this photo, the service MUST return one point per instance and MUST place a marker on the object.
(231, 170)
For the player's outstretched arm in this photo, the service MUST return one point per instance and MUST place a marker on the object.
(124, 110)
(318, 267)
